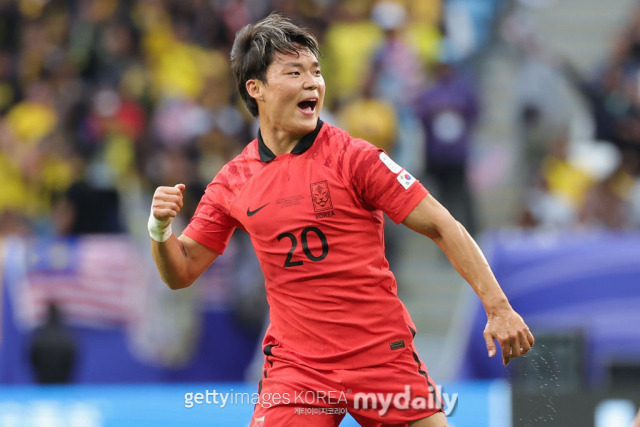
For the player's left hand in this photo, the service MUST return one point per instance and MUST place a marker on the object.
(513, 335)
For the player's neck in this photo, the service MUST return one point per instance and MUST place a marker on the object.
(279, 141)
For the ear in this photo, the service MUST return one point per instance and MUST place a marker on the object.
(254, 88)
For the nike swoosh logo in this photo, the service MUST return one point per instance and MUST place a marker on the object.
(252, 213)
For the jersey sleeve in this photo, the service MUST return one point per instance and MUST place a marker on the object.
(382, 183)
(211, 224)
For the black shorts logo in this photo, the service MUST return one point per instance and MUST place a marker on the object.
(396, 345)
(321, 196)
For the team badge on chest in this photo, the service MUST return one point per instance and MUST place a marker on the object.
(321, 197)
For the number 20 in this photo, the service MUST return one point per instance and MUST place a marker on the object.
(305, 246)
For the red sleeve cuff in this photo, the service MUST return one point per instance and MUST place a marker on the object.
(213, 244)
(419, 193)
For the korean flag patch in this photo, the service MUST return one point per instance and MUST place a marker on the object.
(406, 179)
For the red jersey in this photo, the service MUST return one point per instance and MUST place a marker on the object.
(315, 217)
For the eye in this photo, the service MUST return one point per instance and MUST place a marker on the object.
(294, 73)
(318, 73)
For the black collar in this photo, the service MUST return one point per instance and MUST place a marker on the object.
(303, 145)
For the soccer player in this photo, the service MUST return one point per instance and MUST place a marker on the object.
(312, 200)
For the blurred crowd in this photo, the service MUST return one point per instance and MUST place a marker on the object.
(580, 172)
(103, 100)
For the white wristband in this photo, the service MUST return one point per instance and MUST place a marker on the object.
(160, 231)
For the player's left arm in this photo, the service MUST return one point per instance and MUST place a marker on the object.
(506, 326)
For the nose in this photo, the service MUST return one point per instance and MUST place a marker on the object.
(311, 81)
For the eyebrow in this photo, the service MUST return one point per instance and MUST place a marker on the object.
(300, 64)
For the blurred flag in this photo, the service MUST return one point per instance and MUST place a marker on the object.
(96, 280)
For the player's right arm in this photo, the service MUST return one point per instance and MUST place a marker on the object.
(180, 260)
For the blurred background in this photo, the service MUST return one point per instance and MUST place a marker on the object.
(521, 116)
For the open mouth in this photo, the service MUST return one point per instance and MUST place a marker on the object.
(308, 106)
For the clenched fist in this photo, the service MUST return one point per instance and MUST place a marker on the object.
(166, 204)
